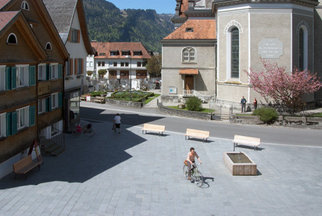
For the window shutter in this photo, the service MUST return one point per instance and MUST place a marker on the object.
(8, 78)
(78, 36)
(60, 71)
(32, 75)
(9, 123)
(71, 66)
(14, 123)
(49, 104)
(47, 72)
(13, 77)
(32, 115)
(75, 67)
(60, 99)
(82, 66)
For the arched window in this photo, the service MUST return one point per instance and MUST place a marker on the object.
(12, 39)
(234, 52)
(48, 46)
(303, 48)
(188, 54)
(25, 5)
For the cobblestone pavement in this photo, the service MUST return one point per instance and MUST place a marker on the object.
(141, 174)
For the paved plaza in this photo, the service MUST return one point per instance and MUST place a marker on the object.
(141, 174)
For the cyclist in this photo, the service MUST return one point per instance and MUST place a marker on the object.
(190, 161)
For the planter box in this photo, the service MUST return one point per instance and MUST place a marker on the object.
(239, 164)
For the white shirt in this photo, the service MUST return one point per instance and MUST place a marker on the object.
(117, 119)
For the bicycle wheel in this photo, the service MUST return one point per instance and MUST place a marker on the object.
(185, 171)
(198, 178)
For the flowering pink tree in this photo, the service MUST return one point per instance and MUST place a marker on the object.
(279, 87)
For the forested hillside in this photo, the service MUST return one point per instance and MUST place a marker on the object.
(108, 23)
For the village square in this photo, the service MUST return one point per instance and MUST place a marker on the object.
(225, 119)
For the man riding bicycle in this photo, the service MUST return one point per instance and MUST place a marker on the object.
(190, 161)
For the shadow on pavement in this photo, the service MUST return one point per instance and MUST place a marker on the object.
(85, 156)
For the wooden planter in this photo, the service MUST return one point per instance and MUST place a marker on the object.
(239, 164)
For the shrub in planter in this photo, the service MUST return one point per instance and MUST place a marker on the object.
(102, 72)
(194, 104)
(266, 114)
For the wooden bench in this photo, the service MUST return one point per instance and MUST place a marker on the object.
(99, 99)
(153, 128)
(25, 165)
(246, 141)
(200, 134)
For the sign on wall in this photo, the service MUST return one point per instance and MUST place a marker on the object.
(172, 90)
(270, 48)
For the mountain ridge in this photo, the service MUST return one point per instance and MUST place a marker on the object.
(107, 23)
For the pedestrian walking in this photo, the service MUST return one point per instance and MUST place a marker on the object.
(243, 102)
(255, 103)
(117, 123)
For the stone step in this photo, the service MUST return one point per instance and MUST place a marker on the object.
(57, 151)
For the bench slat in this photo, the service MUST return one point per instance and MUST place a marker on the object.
(246, 141)
(153, 127)
(24, 165)
(197, 133)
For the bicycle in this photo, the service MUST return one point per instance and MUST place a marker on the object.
(196, 175)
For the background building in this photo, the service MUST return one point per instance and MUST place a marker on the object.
(120, 62)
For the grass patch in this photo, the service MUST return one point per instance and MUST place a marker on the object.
(244, 114)
(203, 110)
(316, 115)
(151, 98)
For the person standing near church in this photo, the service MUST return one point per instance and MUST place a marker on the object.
(255, 104)
(243, 102)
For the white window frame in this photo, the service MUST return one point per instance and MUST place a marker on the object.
(42, 72)
(41, 106)
(3, 125)
(12, 34)
(2, 77)
(190, 58)
(48, 46)
(305, 46)
(54, 71)
(22, 117)
(25, 5)
(54, 101)
(22, 76)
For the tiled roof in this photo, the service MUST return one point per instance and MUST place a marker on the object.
(61, 12)
(106, 47)
(6, 17)
(184, 8)
(194, 29)
(3, 3)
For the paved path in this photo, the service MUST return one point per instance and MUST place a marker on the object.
(136, 174)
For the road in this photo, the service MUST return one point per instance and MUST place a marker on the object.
(268, 134)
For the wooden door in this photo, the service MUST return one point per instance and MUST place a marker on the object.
(188, 84)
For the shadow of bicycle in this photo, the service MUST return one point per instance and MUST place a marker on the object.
(205, 183)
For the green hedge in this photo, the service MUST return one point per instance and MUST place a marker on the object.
(266, 114)
(137, 96)
(194, 104)
(97, 93)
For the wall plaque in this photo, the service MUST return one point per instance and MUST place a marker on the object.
(270, 48)
(172, 90)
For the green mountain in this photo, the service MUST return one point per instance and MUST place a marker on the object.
(108, 23)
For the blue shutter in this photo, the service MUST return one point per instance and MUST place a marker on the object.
(8, 78)
(47, 72)
(60, 99)
(9, 123)
(13, 77)
(49, 104)
(32, 75)
(32, 115)
(14, 123)
(60, 71)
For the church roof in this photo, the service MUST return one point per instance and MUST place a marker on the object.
(195, 29)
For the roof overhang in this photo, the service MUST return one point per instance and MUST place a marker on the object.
(189, 72)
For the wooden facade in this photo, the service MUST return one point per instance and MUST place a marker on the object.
(23, 63)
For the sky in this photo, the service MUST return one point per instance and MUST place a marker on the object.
(161, 6)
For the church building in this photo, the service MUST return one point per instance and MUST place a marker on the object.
(282, 32)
